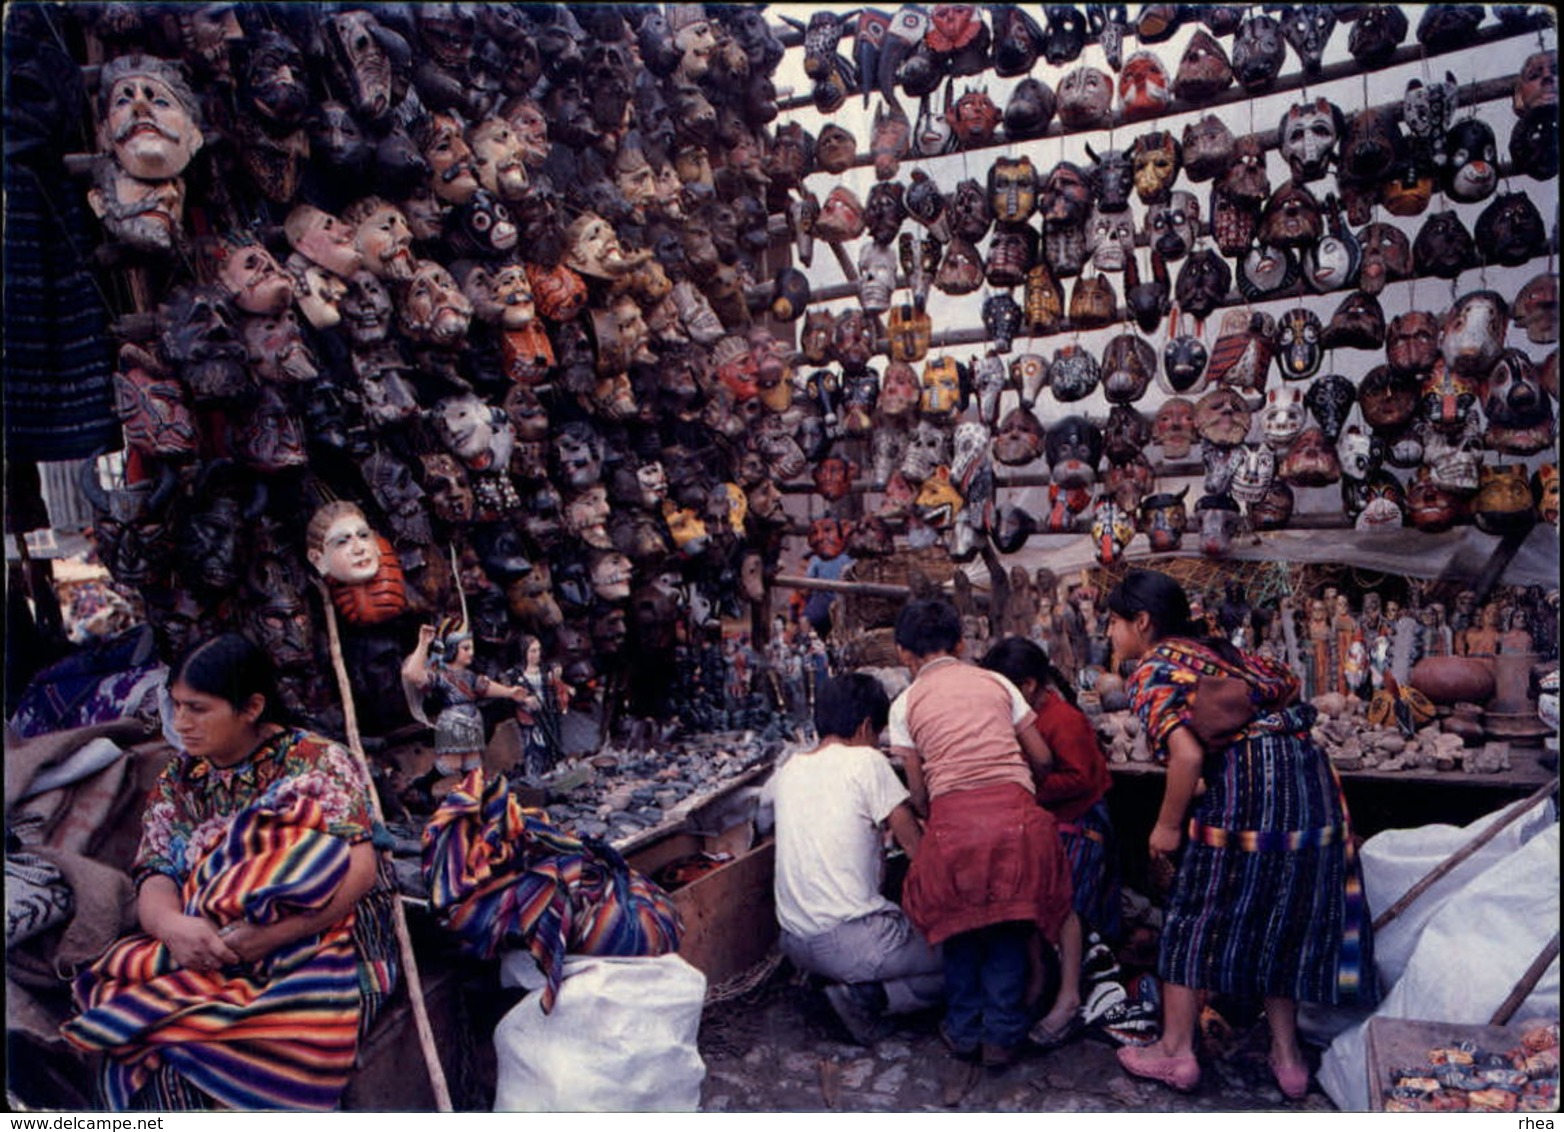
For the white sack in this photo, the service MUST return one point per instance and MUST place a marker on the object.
(621, 1038)
(1469, 957)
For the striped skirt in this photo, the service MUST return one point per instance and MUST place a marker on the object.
(1268, 900)
(1092, 849)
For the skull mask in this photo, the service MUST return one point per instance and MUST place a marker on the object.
(1110, 237)
(1171, 228)
(928, 447)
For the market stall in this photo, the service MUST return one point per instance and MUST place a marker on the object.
(665, 350)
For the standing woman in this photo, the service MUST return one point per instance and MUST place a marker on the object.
(267, 944)
(1268, 897)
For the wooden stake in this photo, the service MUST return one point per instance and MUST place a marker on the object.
(415, 986)
(1528, 983)
(1443, 868)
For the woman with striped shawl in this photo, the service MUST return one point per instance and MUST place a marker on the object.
(266, 947)
(1267, 900)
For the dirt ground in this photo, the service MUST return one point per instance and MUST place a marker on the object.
(779, 1048)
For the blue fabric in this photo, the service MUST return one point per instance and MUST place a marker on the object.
(985, 986)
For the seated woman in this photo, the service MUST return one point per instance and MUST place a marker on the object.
(267, 945)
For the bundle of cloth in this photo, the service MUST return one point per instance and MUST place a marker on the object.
(502, 878)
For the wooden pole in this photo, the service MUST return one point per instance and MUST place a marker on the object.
(1444, 868)
(1528, 983)
(404, 939)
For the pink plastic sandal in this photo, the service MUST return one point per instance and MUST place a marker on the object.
(1180, 1073)
(1293, 1080)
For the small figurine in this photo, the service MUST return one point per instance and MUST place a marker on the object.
(440, 668)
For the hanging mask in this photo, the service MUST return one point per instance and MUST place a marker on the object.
(969, 214)
(1219, 518)
(1358, 324)
(1292, 217)
(854, 341)
(1545, 491)
(1254, 471)
(1537, 309)
(1234, 222)
(1109, 23)
(1336, 261)
(1066, 196)
(1112, 529)
(1110, 237)
(199, 339)
(789, 294)
(871, 537)
(890, 138)
(1455, 461)
(277, 352)
(1044, 301)
(1330, 399)
(1173, 428)
(1245, 179)
(1267, 270)
(1448, 399)
(1128, 363)
(1444, 247)
(274, 163)
(1258, 53)
(860, 392)
(1472, 333)
(150, 119)
(1380, 503)
(1018, 40)
(1284, 416)
(835, 149)
(1171, 228)
(961, 271)
(1164, 519)
(928, 448)
(1310, 461)
(1307, 27)
(1066, 35)
(1125, 436)
(1538, 83)
(1029, 376)
(1241, 356)
(1030, 108)
(876, 277)
(884, 211)
(1002, 317)
(944, 383)
(1157, 159)
(841, 217)
(152, 407)
(1376, 33)
(250, 276)
(920, 257)
(969, 454)
(1208, 148)
(817, 336)
(1534, 143)
(1510, 231)
(1011, 254)
(1184, 361)
(1298, 348)
(1222, 418)
(1471, 169)
(1158, 22)
(1408, 193)
(1093, 304)
(1074, 374)
(833, 477)
(1012, 189)
(1359, 452)
(1203, 283)
(1144, 90)
(1387, 257)
(1308, 136)
(1019, 438)
(1519, 413)
(1445, 27)
(1147, 300)
(1427, 109)
(1074, 448)
(909, 331)
(1204, 72)
(1387, 400)
(973, 119)
(1086, 99)
(1012, 527)
(1431, 508)
(1111, 178)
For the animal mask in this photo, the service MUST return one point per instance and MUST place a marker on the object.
(1510, 231)
(1292, 218)
(1128, 363)
(1472, 333)
(1208, 148)
(1164, 518)
(1184, 362)
(1376, 33)
(1012, 189)
(1030, 108)
(1203, 282)
(1219, 518)
(1471, 167)
(1171, 228)
(1519, 413)
(1258, 53)
(1156, 158)
(1074, 448)
(1307, 27)
(1066, 34)
(1284, 416)
(1336, 261)
(1310, 461)
(1534, 143)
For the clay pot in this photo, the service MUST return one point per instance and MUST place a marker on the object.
(1454, 679)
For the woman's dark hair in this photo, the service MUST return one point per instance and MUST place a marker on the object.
(843, 702)
(231, 668)
(928, 626)
(1149, 592)
(1017, 659)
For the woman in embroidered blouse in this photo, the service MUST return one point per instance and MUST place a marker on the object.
(1267, 900)
(267, 946)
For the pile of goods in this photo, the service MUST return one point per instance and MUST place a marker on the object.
(1465, 1078)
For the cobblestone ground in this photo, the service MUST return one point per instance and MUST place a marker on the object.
(780, 1049)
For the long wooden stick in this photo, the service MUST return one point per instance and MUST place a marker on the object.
(1443, 868)
(404, 939)
(1528, 983)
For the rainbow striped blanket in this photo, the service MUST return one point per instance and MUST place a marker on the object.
(277, 1034)
(501, 877)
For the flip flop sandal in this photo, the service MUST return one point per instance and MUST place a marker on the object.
(1046, 1040)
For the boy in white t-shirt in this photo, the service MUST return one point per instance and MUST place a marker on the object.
(831, 804)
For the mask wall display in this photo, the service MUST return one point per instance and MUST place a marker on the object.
(1172, 227)
(1173, 428)
(1510, 231)
(1503, 503)
(1110, 238)
(1066, 35)
(1443, 246)
(149, 119)
(1128, 363)
(1208, 148)
(1203, 283)
(1518, 411)
(1376, 33)
(1030, 107)
(1310, 461)
(1204, 72)
(1164, 518)
(1258, 53)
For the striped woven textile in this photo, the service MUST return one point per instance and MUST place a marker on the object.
(277, 1034)
(501, 877)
